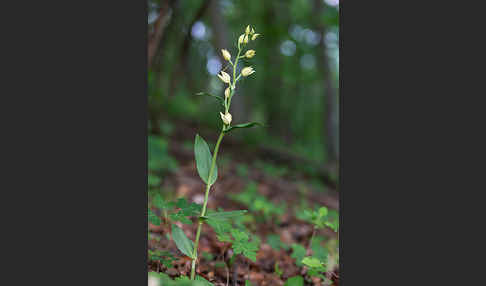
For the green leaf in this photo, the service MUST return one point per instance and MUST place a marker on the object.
(333, 226)
(163, 278)
(298, 252)
(226, 215)
(278, 271)
(164, 257)
(203, 160)
(153, 218)
(222, 229)
(243, 125)
(153, 181)
(323, 212)
(312, 262)
(274, 241)
(180, 217)
(183, 243)
(318, 251)
(295, 281)
(316, 267)
(185, 281)
(219, 98)
(243, 246)
(202, 279)
(159, 202)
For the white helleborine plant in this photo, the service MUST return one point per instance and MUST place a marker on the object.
(206, 163)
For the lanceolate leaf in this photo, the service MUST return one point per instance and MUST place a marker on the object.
(183, 243)
(243, 125)
(225, 215)
(203, 160)
(220, 99)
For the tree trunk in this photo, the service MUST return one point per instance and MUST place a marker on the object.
(159, 28)
(330, 116)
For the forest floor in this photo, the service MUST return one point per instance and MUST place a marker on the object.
(275, 263)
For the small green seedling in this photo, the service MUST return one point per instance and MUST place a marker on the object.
(316, 268)
(258, 203)
(278, 271)
(163, 256)
(179, 210)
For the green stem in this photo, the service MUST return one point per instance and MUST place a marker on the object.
(311, 239)
(235, 65)
(203, 212)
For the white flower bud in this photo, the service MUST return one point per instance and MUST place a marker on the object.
(226, 54)
(250, 54)
(254, 36)
(247, 71)
(252, 31)
(245, 40)
(227, 92)
(224, 77)
(226, 118)
(240, 39)
(247, 31)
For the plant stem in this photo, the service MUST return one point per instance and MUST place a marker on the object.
(312, 238)
(203, 212)
(235, 65)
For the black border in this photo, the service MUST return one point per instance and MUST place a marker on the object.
(76, 158)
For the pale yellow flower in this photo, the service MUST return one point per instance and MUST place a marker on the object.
(247, 71)
(224, 77)
(247, 31)
(226, 54)
(254, 36)
(250, 54)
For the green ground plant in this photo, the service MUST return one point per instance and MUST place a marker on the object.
(259, 203)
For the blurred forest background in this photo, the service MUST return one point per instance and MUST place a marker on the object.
(294, 90)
